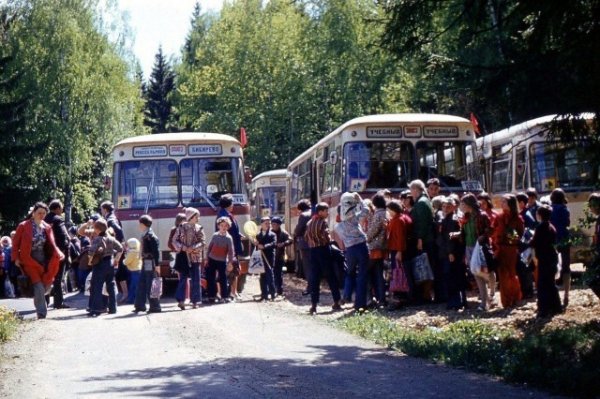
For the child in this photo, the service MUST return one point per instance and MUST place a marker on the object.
(266, 241)
(133, 261)
(151, 268)
(220, 259)
(544, 242)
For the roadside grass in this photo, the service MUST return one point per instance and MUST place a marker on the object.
(564, 361)
(8, 323)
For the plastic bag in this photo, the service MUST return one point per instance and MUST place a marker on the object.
(256, 263)
(477, 259)
(399, 281)
(156, 288)
(9, 289)
(421, 268)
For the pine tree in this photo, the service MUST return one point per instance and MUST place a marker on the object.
(159, 111)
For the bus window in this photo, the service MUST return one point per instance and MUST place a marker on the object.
(377, 165)
(204, 180)
(447, 161)
(271, 198)
(521, 171)
(558, 165)
(146, 184)
(501, 170)
(304, 180)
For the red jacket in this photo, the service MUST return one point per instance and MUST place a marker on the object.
(397, 232)
(22, 252)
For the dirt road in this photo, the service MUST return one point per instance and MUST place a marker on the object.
(243, 349)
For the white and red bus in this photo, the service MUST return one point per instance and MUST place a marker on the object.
(526, 155)
(267, 193)
(160, 174)
(377, 152)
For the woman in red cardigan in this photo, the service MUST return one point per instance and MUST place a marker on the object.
(37, 254)
(507, 234)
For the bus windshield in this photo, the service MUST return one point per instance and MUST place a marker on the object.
(377, 165)
(271, 198)
(146, 184)
(568, 166)
(451, 162)
(204, 180)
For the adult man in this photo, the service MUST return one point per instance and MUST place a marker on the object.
(61, 238)
(318, 239)
(532, 203)
(283, 240)
(107, 209)
(302, 251)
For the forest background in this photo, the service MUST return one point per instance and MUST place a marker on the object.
(288, 71)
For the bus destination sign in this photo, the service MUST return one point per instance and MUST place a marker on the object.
(440, 131)
(150, 151)
(384, 132)
(205, 149)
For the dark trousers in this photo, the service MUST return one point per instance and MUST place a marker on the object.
(306, 267)
(57, 291)
(267, 283)
(103, 273)
(142, 294)
(548, 300)
(320, 259)
(377, 280)
(216, 268)
(278, 275)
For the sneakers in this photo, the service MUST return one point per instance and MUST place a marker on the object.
(181, 305)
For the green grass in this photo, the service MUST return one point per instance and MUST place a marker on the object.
(8, 324)
(564, 361)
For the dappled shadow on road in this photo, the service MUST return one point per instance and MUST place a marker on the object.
(327, 372)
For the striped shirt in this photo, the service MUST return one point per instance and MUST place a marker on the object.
(317, 232)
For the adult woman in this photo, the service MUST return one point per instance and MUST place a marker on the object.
(189, 238)
(37, 254)
(561, 219)
(476, 228)
(182, 266)
(376, 242)
(423, 228)
(508, 232)
(236, 280)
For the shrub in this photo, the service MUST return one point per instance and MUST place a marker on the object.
(8, 323)
(565, 361)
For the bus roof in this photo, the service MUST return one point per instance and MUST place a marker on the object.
(183, 137)
(271, 173)
(485, 143)
(380, 119)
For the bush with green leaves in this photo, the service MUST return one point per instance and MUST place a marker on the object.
(565, 361)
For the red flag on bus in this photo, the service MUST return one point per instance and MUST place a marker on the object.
(475, 124)
(243, 138)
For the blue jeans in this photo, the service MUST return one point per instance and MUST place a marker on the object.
(357, 259)
(103, 272)
(195, 274)
(133, 283)
(81, 277)
(320, 259)
(184, 274)
(142, 294)
(216, 267)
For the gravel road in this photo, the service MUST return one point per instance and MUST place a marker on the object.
(243, 349)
